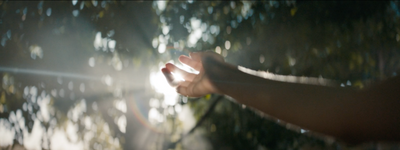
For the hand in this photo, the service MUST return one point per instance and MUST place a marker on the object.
(195, 85)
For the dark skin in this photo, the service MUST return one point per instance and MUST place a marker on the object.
(353, 116)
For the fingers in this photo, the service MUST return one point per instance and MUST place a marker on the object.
(182, 90)
(170, 78)
(190, 62)
(167, 74)
(186, 75)
(192, 90)
(195, 59)
(184, 87)
(186, 91)
(196, 55)
(185, 84)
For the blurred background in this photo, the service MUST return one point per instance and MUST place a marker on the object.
(86, 74)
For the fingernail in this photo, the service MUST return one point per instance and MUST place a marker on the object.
(165, 71)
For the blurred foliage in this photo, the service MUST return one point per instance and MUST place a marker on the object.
(355, 43)
(337, 40)
(58, 36)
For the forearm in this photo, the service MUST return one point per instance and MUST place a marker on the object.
(348, 114)
(299, 104)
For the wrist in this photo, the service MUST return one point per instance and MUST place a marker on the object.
(220, 74)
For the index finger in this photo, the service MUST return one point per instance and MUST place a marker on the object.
(190, 62)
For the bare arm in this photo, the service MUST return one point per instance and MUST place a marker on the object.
(351, 115)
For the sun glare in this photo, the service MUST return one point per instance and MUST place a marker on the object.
(160, 85)
(178, 76)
